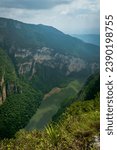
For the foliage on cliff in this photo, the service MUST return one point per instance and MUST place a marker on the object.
(88, 91)
(17, 110)
(19, 106)
(91, 87)
(6, 66)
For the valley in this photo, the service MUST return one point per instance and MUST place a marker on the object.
(43, 56)
(51, 104)
(49, 88)
(77, 127)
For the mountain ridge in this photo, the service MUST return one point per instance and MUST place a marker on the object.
(39, 48)
(88, 38)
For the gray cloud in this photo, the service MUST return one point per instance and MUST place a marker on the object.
(32, 4)
(69, 16)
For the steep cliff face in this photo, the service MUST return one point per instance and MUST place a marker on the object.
(8, 78)
(7, 88)
(2, 90)
(26, 61)
(48, 57)
(45, 65)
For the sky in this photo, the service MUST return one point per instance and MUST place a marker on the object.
(69, 16)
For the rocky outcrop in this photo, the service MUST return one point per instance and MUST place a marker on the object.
(22, 53)
(53, 91)
(48, 57)
(12, 88)
(2, 90)
(25, 67)
(7, 88)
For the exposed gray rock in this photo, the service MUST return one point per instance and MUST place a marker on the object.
(48, 57)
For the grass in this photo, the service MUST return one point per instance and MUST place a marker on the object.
(50, 106)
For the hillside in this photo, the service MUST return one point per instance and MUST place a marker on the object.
(87, 91)
(78, 129)
(6, 66)
(38, 48)
(51, 105)
(8, 77)
(18, 101)
(17, 110)
(92, 84)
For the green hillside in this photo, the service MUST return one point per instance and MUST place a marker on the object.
(20, 100)
(17, 110)
(78, 129)
(92, 84)
(51, 104)
(6, 66)
(87, 91)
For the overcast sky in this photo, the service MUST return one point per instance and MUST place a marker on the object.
(69, 16)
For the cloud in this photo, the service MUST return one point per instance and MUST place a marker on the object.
(69, 16)
(32, 4)
(78, 7)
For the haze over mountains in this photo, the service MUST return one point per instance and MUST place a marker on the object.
(89, 38)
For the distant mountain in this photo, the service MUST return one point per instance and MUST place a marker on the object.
(44, 56)
(89, 38)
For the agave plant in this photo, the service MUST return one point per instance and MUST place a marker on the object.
(52, 133)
